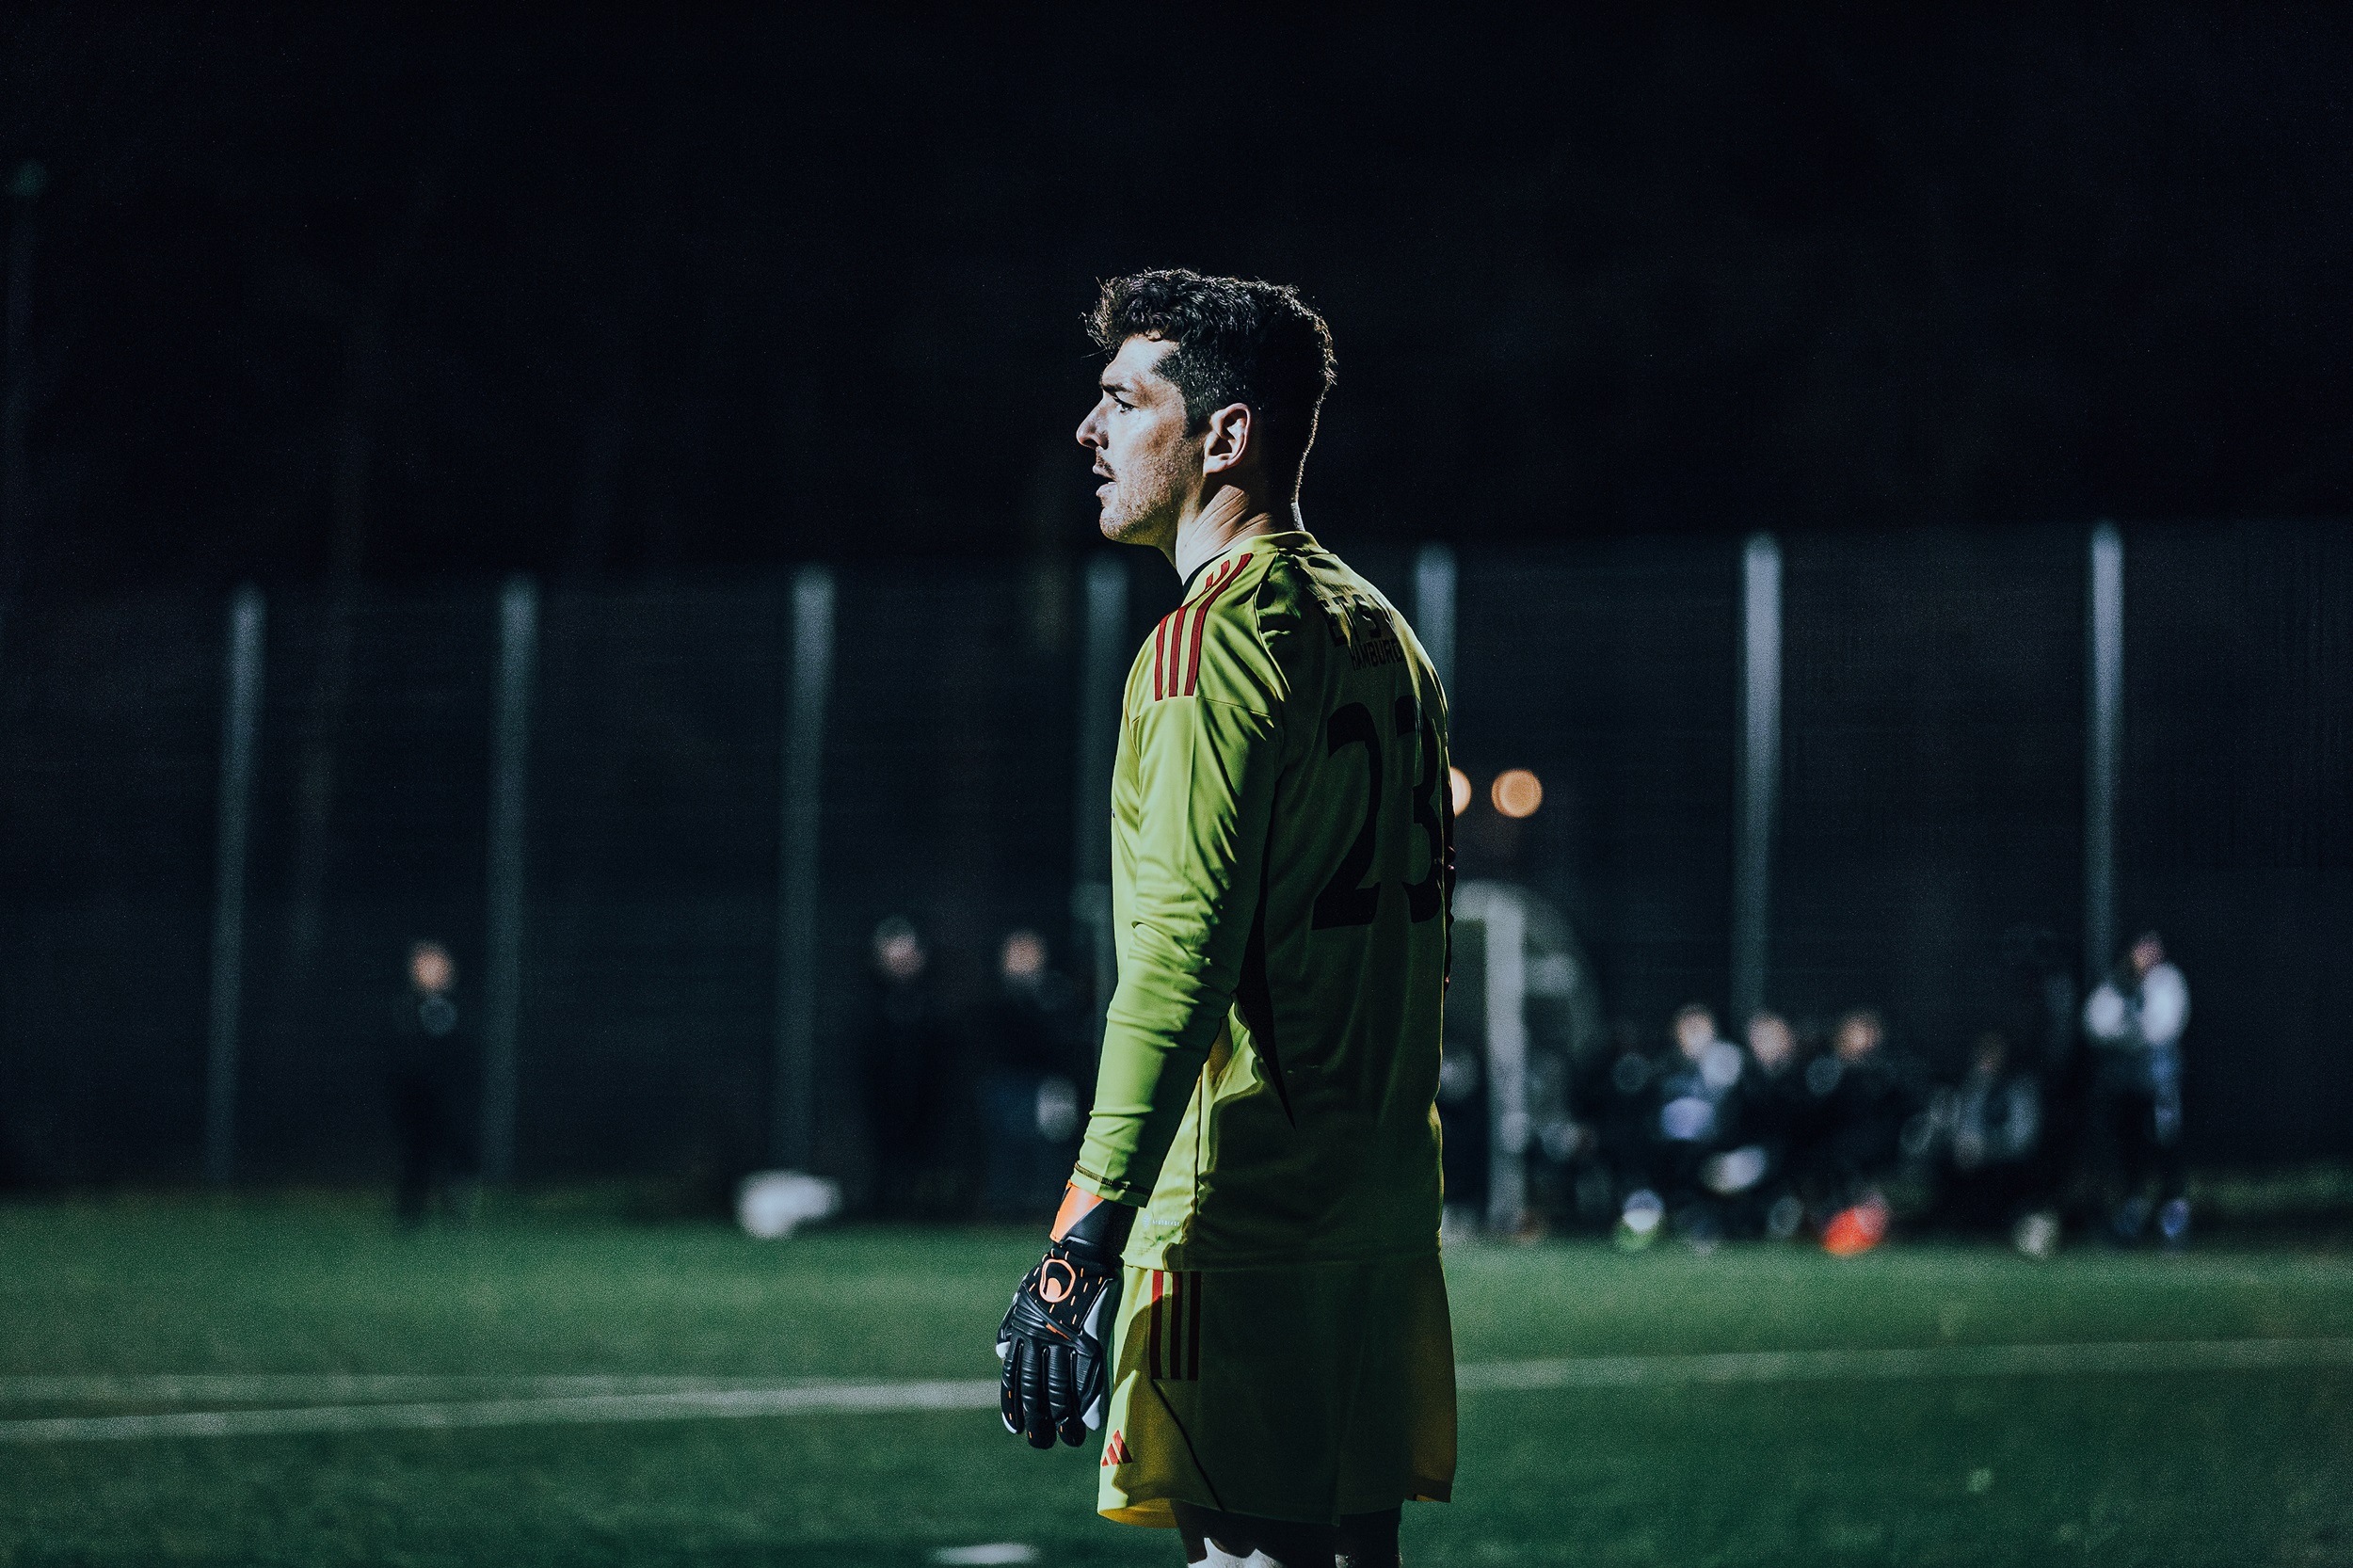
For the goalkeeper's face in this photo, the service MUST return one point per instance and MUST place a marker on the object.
(1150, 468)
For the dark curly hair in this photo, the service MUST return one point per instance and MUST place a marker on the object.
(1238, 340)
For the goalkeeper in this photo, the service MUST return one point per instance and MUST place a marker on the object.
(1243, 1283)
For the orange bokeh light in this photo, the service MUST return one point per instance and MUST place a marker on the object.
(1518, 793)
(1459, 782)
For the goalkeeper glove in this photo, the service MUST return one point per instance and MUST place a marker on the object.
(1055, 1341)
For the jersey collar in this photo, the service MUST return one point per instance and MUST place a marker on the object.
(1280, 539)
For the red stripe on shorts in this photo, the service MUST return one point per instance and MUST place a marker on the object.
(1153, 1355)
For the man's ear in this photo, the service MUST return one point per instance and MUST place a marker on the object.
(1228, 442)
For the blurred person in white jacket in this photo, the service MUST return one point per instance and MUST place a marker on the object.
(2136, 1019)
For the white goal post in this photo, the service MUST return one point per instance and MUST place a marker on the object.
(1529, 955)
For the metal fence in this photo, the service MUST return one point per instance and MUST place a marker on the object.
(692, 986)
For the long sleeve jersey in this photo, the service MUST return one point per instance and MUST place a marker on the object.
(1282, 832)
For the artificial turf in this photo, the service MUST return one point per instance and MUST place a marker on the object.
(2232, 1467)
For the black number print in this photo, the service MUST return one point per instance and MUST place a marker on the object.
(1424, 898)
(1348, 899)
(1343, 901)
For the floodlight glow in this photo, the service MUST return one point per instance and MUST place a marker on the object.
(1518, 793)
(1459, 782)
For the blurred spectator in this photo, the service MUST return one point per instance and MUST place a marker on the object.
(1032, 1034)
(2135, 1019)
(911, 1074)
(426, 1071)
(1996, 1123)
(1865, 1103)
(1697, 1122)
(1773, 1121)
(1581, 1190)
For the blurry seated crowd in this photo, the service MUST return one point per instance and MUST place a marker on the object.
(1833, 1134)
(1830, 1134)
(971, 1089)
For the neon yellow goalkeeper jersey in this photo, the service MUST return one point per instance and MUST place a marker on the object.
(1282, 857)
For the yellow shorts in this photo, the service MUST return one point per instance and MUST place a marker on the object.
(1299, 1393)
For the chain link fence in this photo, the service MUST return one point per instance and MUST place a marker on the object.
(1927, 852)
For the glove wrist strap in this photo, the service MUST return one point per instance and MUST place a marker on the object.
(1092, 1229)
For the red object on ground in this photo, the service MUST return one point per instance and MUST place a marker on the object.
(1857, 1229)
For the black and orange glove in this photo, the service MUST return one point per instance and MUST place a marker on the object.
(1056, 1339)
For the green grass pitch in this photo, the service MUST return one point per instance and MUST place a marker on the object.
(2241, 1466)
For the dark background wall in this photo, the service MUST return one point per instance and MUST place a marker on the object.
(1933, 805)
(320, 288)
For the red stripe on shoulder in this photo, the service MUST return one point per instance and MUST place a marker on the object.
(1160, 648)
(1201, 618)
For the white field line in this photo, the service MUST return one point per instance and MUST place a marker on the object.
(800, 1399)
(1879, 1366)
(541, 1402)
(332, 1387)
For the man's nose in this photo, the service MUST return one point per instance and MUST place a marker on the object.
(1088, 436)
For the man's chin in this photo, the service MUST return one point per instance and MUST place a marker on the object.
(1134, 525)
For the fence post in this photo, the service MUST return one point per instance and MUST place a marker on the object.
(1434, 610)
(1503, 917)
(240, 720)
(792, 1100)
(1102, 665)
(2104, 733)
(510, 745)
(1760, 769)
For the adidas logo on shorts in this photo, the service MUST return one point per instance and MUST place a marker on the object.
(1115, 1451)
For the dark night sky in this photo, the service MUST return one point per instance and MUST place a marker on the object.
(607, 300)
